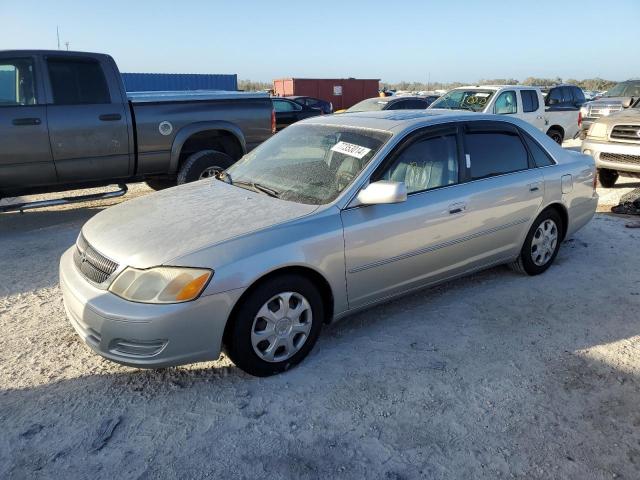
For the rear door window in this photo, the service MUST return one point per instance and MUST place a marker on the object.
(17, 82)
(495, 152)
(77, 82)
(529, 100)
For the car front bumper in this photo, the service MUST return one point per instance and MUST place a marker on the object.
(623, 157)
(144, 335)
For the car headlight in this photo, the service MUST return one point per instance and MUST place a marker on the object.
(161, 284)
(598, 130)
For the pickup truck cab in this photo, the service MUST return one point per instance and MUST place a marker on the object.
(66, 122)
(526, 103)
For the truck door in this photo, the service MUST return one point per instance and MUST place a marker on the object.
(87, 120)
(532, 109)
(25, 154)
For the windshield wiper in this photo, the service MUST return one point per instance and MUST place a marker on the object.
(256, 187)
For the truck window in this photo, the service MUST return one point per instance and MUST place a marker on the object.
(77, 82)
(495, 153)
(578, 95)
(554, 94)
(506, 103)
(567, 95)
(529, 100)
(17, 83)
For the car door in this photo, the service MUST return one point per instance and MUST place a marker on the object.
(393, 248)
(87, 122)
(503, 192)
(25, 153)
(286, 112)
(531, 110)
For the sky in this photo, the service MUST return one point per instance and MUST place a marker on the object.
(409, 40)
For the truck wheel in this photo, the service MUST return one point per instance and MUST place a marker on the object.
(160, 183)
(555, 135)
(203, 164)
(608, 178)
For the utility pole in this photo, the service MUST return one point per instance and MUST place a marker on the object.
(67, 44)
(58, 35)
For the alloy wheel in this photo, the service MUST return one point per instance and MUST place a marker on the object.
(544, 242)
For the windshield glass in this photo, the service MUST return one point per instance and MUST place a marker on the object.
(369, 105)
(309, 164)
(624, 89)
(462, 99)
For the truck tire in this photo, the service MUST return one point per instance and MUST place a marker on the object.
(203, 164)
(607, 178)
(555, 135)
(161, 183)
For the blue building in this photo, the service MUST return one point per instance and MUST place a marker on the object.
(155, 82)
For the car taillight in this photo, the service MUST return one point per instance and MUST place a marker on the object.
(273, 121)
(579, 119)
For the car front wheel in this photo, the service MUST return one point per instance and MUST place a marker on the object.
(276, 325)
(541, 245)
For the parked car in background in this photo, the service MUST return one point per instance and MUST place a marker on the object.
(564, 97)
(288, 112)
(328, 217)
(392, 103)
(323, 105)
(622, 96)
(66, 122)
(526, 103)
(614, 143)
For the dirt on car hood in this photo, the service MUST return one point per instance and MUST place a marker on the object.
(154, 229)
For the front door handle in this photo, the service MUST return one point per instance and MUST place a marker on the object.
(534, 187)
(455, 208)
(26, 121)
(110, 117)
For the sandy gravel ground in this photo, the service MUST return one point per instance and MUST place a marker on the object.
(492, 376)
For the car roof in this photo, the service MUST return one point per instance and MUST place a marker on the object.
(396, 121)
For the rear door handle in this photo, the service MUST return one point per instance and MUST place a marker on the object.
(110, 117)
(534, 187)
(26, 121)
(457, 208)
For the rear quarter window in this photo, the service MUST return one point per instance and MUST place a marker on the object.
(540, 157)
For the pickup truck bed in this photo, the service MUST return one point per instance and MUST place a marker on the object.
(66, 122)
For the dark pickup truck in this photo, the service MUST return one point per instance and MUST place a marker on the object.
(66, 122)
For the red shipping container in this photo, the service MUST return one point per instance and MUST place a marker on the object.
(341, 92)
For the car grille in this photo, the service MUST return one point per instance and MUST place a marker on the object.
(620, 157)
(626, 132)
(93, 265)
(597, 111)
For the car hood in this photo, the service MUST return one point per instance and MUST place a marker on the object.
(158, 228)
(629, 116)
(607, 101)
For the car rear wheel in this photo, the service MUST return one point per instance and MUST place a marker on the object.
(607, 178)
(541, 245)
(276, 325)
(203, 164)
(555, 135)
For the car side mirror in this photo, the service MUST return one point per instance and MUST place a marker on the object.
(626, 103)
(382, 191)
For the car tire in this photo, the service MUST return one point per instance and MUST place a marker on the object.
(607, 178)
(541, 244)
(247, 339)
(161, 183)
(555, 135)
(203, 164)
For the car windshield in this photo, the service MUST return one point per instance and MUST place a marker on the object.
(310, 163)
(369, 105)
(462, 99)
(624, 89)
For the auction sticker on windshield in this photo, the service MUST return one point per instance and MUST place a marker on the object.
(350, 149)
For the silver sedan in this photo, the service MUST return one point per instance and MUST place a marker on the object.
(330, 216)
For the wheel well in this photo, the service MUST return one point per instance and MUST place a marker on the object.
(317, 279)
(557, 128)
(562, 211)
(219, 140)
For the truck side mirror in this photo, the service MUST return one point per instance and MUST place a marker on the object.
(626, 103)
